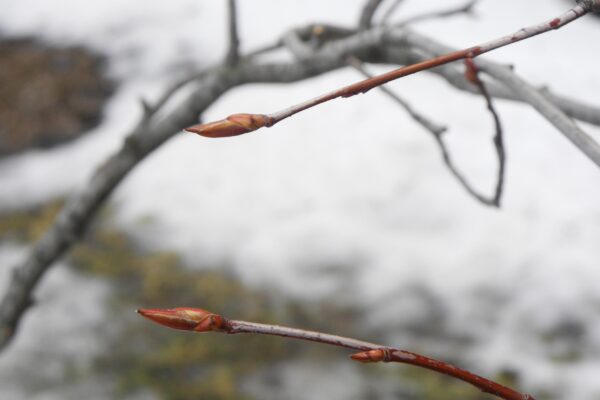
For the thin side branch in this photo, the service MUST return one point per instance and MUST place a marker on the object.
(368, 11)
(199, 320)
(464, 9)
(233, 53)
(473, 76)
(390, 11)
(239, 124)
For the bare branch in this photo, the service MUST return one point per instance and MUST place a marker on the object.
(464, 9)
(537, 100)
(233, 53)
(368, 11)
(199, 320)
(238, 124)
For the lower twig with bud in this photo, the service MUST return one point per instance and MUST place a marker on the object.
(199, 320)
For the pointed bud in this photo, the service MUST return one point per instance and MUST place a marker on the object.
(236, 124)
(185, 318)
(372, 356)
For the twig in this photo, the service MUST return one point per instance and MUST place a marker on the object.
(552, 113)
(233, 53)
(498, 140)
(464, 9)
(198, 320)
(473, 76)
(406, 357)
(368, 11)
(238, 124)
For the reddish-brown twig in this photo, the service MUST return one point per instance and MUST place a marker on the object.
(407, 357)
(238, 124)
(199, 320)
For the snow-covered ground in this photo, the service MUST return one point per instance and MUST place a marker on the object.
(356, 183)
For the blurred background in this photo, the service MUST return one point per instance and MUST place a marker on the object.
(341, 219)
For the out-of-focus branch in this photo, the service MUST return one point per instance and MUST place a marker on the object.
(368, 11)
(238, 124)
(199, 320)
(390, 11)
(545, 107)
(466, 8)
(233, 53)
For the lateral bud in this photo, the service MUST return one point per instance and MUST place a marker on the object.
(372, 356)
(234, 125)
(185, 318)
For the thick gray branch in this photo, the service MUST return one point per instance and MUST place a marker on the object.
(552, 113)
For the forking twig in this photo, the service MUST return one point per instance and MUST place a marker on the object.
(199, 320)
(238, 124)
(437, 130)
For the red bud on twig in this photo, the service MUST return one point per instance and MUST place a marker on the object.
(185, 318)
(236, 124)
(372, 356)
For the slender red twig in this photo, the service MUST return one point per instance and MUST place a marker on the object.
(199, 320)
(407, 357)
(238, 124)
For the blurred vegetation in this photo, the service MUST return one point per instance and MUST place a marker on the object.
(48, 94)
(178, 365)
